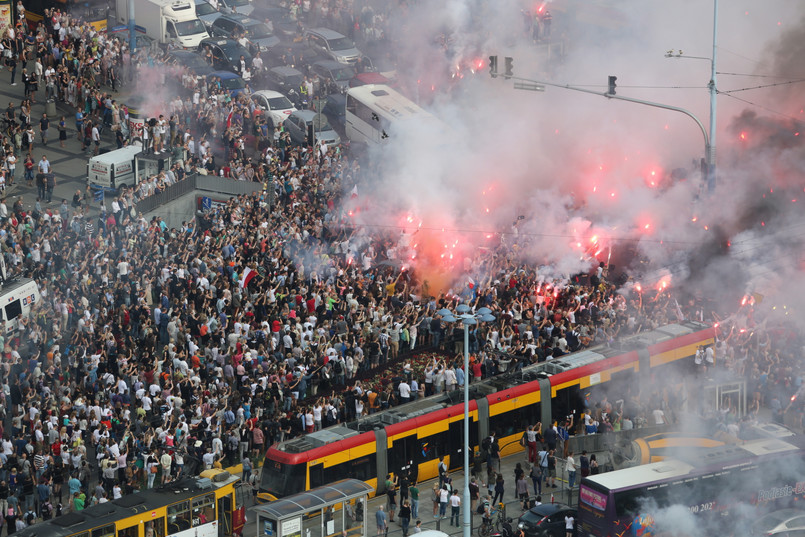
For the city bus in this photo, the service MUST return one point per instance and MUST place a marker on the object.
(375, 111)
(718, 490)
(199, 507)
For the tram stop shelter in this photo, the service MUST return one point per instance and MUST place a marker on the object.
(334, 510)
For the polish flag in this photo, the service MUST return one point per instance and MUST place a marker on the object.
(247, 276)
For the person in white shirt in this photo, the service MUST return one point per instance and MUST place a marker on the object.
(405, 392)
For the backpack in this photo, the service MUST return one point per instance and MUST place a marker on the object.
(338, 367)
(487, 443)
(481, 508)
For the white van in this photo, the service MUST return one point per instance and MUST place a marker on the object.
(113, 170)
(16, 301)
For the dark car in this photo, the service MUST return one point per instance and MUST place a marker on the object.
(362, 79)
(284, 79)
(335, 108)
(279, 20)
(190, 59)
(334, 74)
(298, 55)
(234, 25)
(229, 81)
(226, 53)
(235, 6)
(546, 520)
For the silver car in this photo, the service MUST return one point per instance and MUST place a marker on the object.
(333, 45)
(785, 522)
(206, 13)
(300, 121)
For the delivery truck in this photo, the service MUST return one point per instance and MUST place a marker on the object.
(18, 296)
(124, 168)
(169, 22)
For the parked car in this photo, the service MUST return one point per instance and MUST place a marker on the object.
(335, 108)
(230, 81)
(337, 47)
(274, 103)
(334, 74)
(190, 59)
(283, 79)
(785, 522)
(546, 520)
(226, 53)
(297, 127)
(362, 79)
(279, 20)
(298, 55)
(233, 26)
(206, 13)
(236, 6)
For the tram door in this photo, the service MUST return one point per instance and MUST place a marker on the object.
(224, 516)
(455, 444)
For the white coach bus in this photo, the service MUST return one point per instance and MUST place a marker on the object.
(374, 111)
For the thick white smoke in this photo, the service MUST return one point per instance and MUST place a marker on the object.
(590, 175)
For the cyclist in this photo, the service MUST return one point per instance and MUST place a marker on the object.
(487, 512)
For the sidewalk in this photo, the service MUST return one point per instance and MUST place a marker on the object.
(561, 494)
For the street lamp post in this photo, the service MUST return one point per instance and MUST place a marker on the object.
(463, 314)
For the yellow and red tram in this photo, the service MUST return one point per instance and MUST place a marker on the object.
(415, 435)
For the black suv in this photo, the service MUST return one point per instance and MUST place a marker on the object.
(233, 26)
(546, 520)
(225, 54)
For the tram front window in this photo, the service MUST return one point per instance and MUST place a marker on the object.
(282, 480)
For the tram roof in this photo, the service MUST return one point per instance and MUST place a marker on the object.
(315, 499)
(129, 505)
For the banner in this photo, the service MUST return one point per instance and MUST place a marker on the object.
(5, 16)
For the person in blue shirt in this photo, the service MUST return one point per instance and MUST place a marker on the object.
(74, 484)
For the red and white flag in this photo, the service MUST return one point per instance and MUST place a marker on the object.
(247, 276)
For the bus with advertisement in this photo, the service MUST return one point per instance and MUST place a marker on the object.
(723, 488)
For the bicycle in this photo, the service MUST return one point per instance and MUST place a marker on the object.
(497, 517)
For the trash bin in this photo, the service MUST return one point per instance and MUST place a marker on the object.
(50, 109)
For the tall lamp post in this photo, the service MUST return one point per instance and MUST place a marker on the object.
(464, 314)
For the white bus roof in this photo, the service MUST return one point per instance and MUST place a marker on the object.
(638, 475)
(388, 102)
(727, 456)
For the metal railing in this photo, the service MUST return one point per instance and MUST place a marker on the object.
(172, 192)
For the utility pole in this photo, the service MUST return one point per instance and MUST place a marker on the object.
(711, 154)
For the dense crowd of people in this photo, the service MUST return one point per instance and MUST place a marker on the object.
(154, 347)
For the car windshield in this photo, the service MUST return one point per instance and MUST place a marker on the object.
(321, 125)
(347, 73)
(193, 27)
(279, 103)
(234, 54)
(258, 31)
(341, 43)
(189, 60)
(293, 81)
(233, 83)
(204, 9)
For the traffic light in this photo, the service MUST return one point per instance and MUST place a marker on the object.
(509, 68)
(493, 66)
(612, 80)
